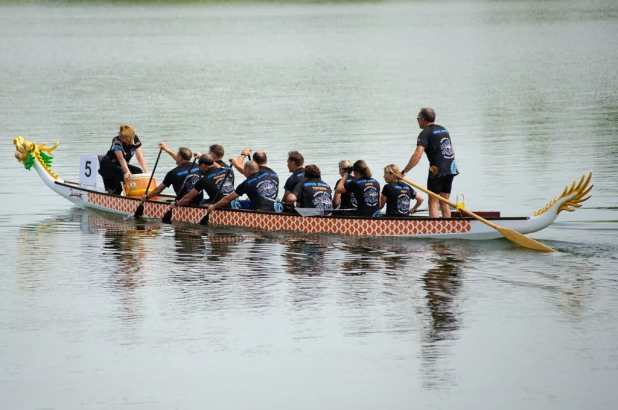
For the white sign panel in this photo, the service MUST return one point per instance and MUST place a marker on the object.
(88, 170)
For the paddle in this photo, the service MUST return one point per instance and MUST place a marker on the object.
(167, 218)
(140, 209)
(204, 220)
(509, 234)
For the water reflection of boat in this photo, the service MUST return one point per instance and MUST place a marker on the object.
(305, 257)
(39, 157)
(442, 320)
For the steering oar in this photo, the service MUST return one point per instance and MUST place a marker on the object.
(509, 234)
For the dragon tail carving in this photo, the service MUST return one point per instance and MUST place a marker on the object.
(571, 198)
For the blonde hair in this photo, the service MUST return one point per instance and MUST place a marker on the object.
(127, 132)
(344, 164)
(393, 170)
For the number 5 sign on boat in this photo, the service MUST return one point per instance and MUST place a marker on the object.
(88, 170)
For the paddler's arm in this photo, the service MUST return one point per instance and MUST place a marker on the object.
(382, 201)
(187, 198)
(414, 159)
(123, 165)
(223, 201)
(336, 199)
(286, 194)
(140, 159)
(163, 146)
(154, 192)
(340, 189)
(292, 199)
(419, 200)
(238, 162)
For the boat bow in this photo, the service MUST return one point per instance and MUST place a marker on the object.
(38, 156)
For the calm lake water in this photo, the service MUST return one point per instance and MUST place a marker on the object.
(101, 313)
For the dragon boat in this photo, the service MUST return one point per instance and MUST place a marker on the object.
(459, 226)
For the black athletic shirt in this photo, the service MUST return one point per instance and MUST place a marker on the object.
(212, 180)
(127, 150)
(398, 196)
(347, 198)
(367, 194)
(176, 177)
(314, 193)
(258, 187)
(437, 143)
(272, 173)
(294, 179)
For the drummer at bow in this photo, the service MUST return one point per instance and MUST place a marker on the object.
(115, 165)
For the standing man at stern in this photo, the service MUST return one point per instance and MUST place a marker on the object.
(435, 141)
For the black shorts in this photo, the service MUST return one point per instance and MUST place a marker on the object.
(440, 185)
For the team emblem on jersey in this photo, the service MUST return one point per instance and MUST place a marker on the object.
(228, 186)
(353, 201)
(322, 200)
(454, 170)
(403, 204)
(447, 148)
(371, 196)
(267, 189)
(190, 182)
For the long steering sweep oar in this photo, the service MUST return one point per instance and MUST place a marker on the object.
(204, 220)
(509, 234)
(167, 218)
(140, 209)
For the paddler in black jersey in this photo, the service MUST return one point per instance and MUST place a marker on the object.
(366, 190)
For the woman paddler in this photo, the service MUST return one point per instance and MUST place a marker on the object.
(115, 166)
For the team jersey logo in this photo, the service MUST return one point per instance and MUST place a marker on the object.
(267, 189)
(228, 186)
(403, 204)
(371, 196)
(190, 183)
(353, 201)
(447, 148)
(454, 170)
(323, 201)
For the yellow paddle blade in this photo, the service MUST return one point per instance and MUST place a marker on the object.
(523, 240)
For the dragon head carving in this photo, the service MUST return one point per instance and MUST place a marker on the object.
(28, 152)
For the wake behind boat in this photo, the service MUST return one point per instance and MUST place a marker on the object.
(88, 195)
